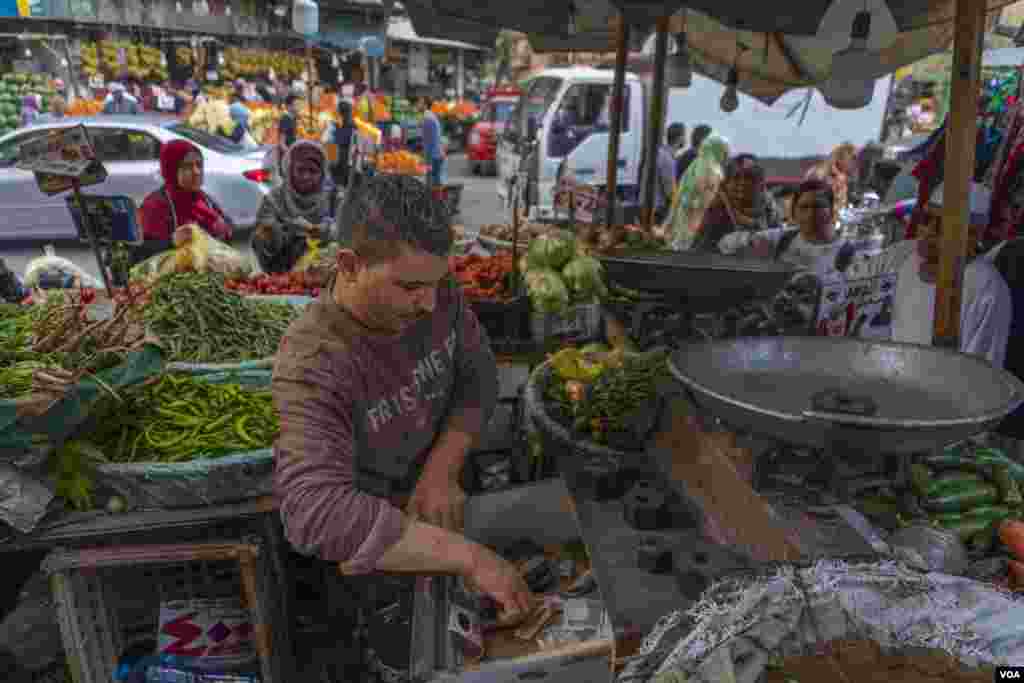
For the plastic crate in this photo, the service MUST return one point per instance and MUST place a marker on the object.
(108, 598)
(579, 323)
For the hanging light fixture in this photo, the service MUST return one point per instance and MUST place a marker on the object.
(678, 69)
(571, 28)
(847, 86)
(730, 101)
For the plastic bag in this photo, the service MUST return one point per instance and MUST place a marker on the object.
(195, 250)
(49, 262)
(929, 549)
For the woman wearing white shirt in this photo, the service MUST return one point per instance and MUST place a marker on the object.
(813, 246)
(986, 308)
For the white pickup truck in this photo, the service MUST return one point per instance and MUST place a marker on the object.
(561, 125)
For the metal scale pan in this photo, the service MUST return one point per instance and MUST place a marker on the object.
(701, 282)
(847, 395)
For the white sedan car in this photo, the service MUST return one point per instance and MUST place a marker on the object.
(129, 147)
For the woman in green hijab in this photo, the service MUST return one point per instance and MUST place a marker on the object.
(697, 189)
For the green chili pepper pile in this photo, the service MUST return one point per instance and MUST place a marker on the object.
(181, 418)
(610, 401)
(200, 321)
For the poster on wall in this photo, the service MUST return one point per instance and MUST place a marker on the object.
(419, 65)
(857, 308)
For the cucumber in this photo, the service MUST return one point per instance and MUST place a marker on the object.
(952, 481)
(964, 498)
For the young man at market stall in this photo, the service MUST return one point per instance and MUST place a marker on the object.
(381, 387)
(986, 305)
(685, 158)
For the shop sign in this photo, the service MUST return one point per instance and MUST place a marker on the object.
(857, 308)
(61, 158)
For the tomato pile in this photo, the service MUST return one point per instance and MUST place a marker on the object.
(483, 277)
(291, 284)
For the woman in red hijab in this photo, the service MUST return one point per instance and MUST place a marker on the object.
(181, 200)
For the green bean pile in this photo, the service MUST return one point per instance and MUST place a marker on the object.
(200, 321)
(181, 418)
(15, 327)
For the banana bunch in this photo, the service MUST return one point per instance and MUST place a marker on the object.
(108, 57)
(90, 59)
(184, 56)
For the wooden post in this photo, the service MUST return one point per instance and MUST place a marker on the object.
(654, 121)
(961, 135)
(618, 90)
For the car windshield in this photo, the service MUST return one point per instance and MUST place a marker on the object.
(213, 142)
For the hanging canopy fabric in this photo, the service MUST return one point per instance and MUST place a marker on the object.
(788, 44)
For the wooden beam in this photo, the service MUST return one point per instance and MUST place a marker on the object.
(654, 121)
(961, 134)
(619, 87)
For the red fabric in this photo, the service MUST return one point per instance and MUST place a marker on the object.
(189, 207)
(929, 173)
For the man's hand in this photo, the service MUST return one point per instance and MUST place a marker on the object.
(438, 500)
(497, 578)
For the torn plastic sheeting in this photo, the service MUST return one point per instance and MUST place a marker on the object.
(791, 608)
(203, 481)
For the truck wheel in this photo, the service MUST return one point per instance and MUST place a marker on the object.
(474, 168)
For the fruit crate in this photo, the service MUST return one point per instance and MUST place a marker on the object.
(108, 599)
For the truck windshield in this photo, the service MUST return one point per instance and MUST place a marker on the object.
(585, 109)
(533, 104)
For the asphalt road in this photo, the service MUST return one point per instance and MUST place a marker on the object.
(480, 206)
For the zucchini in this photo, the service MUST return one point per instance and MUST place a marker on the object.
(977, 460)
(963, 498)
(949, 482)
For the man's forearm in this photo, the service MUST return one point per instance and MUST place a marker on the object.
(449, 452)
(426, 549)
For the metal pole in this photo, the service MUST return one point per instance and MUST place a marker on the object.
(654, 121)
(87, 222)
(618, 91)
(960, 153)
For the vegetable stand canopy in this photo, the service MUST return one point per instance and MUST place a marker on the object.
(789, 44)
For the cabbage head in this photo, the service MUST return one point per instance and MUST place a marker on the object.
(548, 294)
(551, 250)
(584, 276)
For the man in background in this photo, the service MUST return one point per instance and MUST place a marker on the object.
(685, 158)
(433, 151)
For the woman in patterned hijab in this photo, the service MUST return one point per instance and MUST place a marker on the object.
(300, 209)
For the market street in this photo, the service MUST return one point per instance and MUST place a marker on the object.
(480, 206)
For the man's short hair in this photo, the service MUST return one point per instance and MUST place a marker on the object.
(699, 135)
(676, 133)
(385, 212)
